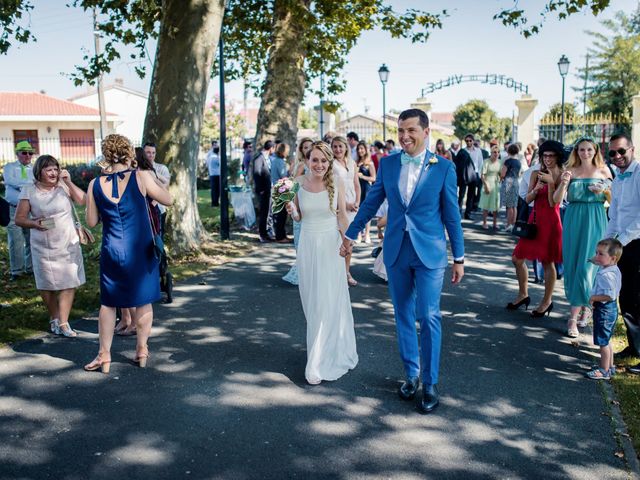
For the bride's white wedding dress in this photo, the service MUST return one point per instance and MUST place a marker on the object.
(322, 277)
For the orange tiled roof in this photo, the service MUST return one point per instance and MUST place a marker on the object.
(31, 103)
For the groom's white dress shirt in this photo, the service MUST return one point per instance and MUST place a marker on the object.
(409, 175)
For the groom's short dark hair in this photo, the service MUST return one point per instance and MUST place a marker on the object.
(423, 119)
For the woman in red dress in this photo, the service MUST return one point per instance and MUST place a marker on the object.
(547, 244)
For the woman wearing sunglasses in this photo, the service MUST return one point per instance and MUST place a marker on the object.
(585, 183)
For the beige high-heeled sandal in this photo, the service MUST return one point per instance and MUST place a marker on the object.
(142, 357)
(99, 364)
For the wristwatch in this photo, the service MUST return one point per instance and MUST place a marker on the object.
(459, 262)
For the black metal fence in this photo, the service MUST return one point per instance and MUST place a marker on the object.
(600, 128)
(68, 151)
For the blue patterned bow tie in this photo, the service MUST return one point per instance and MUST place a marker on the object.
(111, 177)
(624, 175)
(406, 158)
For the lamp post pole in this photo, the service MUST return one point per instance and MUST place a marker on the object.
(224, 198)
(383, 73)
(563, 68)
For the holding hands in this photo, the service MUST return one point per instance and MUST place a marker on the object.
(346, 247)
(352, 207)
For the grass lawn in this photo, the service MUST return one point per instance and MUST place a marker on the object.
(23, 314)
(627, 387)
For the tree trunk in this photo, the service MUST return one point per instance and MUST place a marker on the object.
(187, 43)
(285, 82)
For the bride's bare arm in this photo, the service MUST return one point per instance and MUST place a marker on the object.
(343, 220)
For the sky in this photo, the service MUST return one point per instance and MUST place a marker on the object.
(470, 42)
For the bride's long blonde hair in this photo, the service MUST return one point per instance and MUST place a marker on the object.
(328, 176)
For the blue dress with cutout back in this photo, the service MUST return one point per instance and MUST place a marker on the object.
(129, 271)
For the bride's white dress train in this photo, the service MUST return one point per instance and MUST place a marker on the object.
(322, 277)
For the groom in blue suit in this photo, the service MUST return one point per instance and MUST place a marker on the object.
(421, 189)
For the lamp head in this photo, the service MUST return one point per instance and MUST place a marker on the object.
(563, 65)
(383, 72)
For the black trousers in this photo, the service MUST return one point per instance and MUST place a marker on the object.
(215, 190)
(279, 224)
(629, 266)
(470, 190)
(263, 214)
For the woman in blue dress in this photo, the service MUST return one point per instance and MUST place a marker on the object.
(586, 183)
(129, 269)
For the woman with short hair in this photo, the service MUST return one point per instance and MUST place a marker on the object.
(46, 207)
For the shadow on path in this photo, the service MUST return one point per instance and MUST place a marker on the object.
(224, 395)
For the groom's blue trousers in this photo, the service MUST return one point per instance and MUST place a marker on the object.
(415, 292)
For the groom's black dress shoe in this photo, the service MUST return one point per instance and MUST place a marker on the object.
(430, 399)
(409, 388)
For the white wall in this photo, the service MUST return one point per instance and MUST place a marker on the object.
(129, 107)
(48, 135)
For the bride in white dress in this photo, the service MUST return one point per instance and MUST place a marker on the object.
(320, 209)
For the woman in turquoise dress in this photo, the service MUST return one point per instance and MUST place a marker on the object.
(586, 184)
(490, 195)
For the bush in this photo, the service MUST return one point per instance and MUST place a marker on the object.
(81, 175)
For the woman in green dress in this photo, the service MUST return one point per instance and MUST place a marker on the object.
(490, 195)
(586, 183)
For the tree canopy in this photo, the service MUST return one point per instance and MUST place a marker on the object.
(614, 71)
(477, 118)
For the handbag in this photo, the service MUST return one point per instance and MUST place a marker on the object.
(524, 229)
(5, 216)
(84, 234)
(156, 237)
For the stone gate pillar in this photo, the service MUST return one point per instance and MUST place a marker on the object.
(526, 127)
(635, 125)
(425, 105)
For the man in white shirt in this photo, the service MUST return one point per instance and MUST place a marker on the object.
(353, 139)
(163, 175)
(16, 175)
(472, 184)
(213, 165)
(624, 224)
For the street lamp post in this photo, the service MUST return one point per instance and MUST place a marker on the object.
(563, 68)
(383, 72)
(224, 198)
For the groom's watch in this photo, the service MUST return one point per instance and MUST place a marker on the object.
(459, 261)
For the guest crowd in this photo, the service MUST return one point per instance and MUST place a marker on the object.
(575, 215)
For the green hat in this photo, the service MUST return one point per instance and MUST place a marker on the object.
(24, 146)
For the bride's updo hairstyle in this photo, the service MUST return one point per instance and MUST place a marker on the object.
(323, 148)
(117, 149)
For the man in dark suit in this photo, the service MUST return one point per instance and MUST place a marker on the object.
(466, 177)
(262, 188)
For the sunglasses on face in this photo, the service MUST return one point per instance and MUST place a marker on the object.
(26, 153)
(548, 155)
(620, 151)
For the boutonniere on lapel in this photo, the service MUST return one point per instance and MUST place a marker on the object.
(433, 160)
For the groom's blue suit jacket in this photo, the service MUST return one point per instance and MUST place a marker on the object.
(432, 208)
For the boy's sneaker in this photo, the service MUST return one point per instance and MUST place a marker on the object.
(612, 370)
(635, 369)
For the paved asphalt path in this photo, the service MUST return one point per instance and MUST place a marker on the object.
(224, 395)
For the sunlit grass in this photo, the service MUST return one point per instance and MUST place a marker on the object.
(23, 313)
(627, 386)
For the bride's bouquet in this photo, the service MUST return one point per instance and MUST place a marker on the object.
(282, 193)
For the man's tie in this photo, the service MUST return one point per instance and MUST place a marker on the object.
(624, 175)
(113, 177)
(406, 158)
(23, 172)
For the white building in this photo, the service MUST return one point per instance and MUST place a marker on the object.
(68, 131)
(129, 105)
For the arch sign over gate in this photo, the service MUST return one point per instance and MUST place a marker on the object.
(488, 78)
